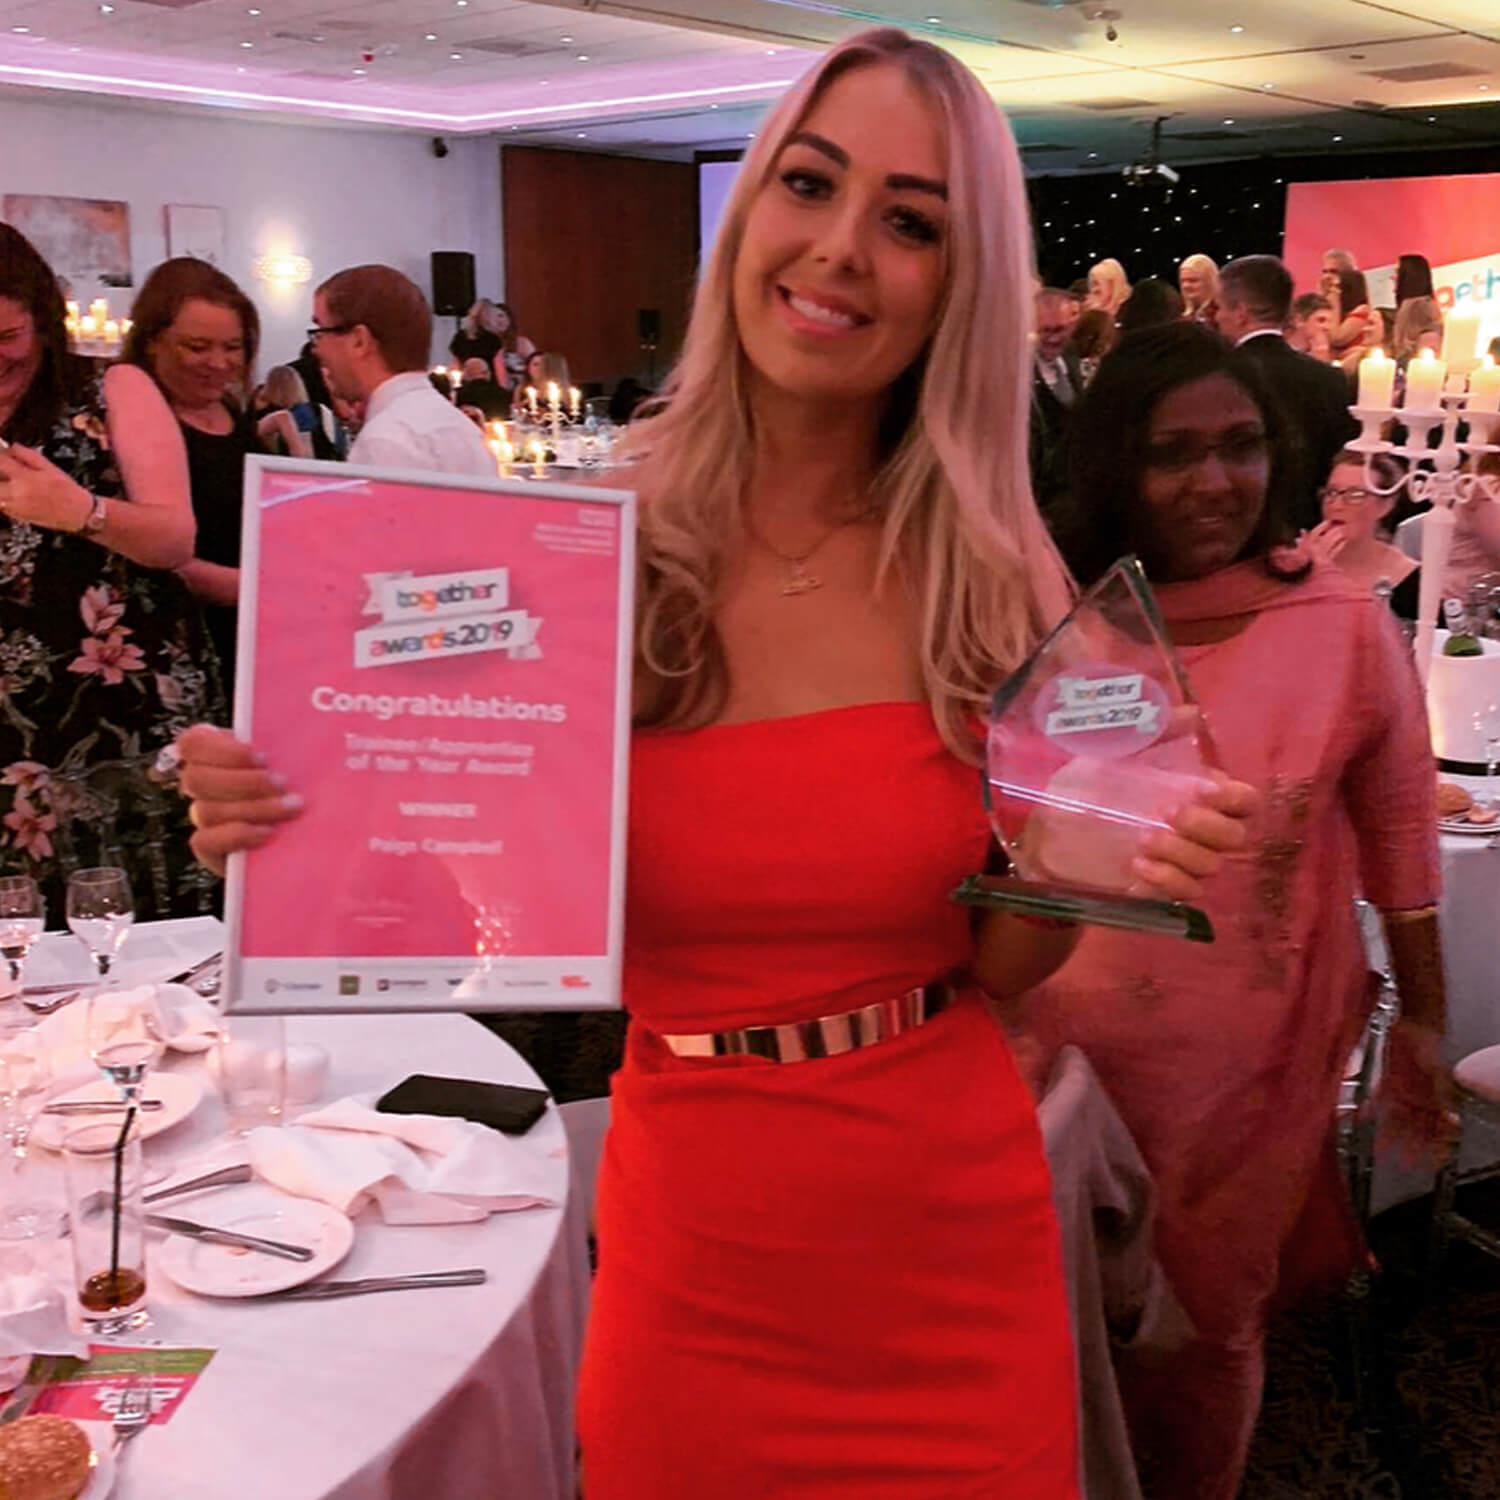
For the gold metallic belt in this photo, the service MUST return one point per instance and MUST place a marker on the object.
(828, 1036)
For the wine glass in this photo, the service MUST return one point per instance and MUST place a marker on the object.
(100, 912)
(22, 918)
(25, 1076)
(125, 1039)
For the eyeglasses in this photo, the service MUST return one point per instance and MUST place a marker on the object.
(1179, 454)
(1346, 497)
(315, 333)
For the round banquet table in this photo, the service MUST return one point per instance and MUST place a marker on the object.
(1470, 921)
(458, 1393)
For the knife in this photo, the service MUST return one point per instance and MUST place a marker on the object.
(97, 1106)
(315, 1291)
(222, 1178)
(212, 1236)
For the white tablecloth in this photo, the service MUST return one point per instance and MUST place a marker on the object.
(463, 1393)
(1470, 922)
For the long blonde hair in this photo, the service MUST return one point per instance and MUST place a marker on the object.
(1205, 266)
(960, 529)
(1116, 286)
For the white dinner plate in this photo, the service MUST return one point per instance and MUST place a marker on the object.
(179, 1094)
(224, 1271)
(1463, 827)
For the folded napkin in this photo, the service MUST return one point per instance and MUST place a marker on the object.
(420, 1169)
(34, 1314)
(188, 1024)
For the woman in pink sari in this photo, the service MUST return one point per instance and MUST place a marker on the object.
(1225, 1060)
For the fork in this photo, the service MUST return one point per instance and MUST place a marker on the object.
(134, 1413)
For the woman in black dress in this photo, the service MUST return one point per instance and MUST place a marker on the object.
(195, 333)
(104, 658)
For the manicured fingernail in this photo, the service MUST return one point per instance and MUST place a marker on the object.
(277, 780)
(258, 757)
(293, 802)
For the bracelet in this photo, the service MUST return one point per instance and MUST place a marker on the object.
(1413, 914)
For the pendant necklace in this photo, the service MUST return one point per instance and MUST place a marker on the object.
(799, 578)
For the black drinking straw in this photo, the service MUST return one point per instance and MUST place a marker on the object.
(114, 1228)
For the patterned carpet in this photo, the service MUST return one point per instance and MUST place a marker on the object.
(1429, 1426)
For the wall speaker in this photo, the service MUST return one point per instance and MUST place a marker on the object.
(452, 282)
(648, 320)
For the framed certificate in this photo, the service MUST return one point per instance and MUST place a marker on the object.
(440, 667)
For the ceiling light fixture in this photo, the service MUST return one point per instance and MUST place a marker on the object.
(252, 12)
(456, 56)
(566, 40)
(359, 72)
(1229, 122)
(430, 37)
(583, 135)
(1484, 88)
(1268, 85)
(247, 44)
(583, 57)
(106, 10)
(22, 30)
(1338, 137)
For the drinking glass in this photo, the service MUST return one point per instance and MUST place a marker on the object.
(252, 1070)
(22, 918)
(107, 1222)
(1487, 727)
(100, 912)
(25, 1075)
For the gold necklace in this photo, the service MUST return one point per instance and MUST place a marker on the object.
(798, 579)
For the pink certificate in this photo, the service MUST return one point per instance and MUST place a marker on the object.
(441, 668)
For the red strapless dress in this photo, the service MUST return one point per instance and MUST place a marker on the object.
(838, 1277)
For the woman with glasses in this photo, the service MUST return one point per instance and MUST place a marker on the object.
(1351, 535)
(1225, 1060)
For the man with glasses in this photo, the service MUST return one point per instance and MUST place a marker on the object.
(1255, 301)
(372, 333)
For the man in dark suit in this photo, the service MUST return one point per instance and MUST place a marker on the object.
(1255, 302)
(1056, 386)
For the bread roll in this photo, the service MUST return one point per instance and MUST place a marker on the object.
(1452, 801)
(44, 1458)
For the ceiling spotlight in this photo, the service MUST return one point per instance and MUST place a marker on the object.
(456, 56)
(583, 57)
(247, 44)
(583, 135)
(1229, 122)
(1484, 88)
(430, 37)
(713, 106)
(359, 72)
(1093, 156)
(21, 30)
(566, 40)
(1236, 30)
(934, 20)
(252, 12)
(1338, 137)
(1268, 85)
(106, 10)
(1432, 119)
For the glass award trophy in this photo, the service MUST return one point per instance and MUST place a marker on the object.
(1093, 744)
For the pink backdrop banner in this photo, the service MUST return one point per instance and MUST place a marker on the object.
(440, 669)
(1450, 220)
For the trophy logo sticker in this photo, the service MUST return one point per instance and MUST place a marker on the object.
(1102, 710)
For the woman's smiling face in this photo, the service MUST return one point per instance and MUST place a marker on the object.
(839, 277)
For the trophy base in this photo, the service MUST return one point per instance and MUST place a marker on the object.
(1074, 903)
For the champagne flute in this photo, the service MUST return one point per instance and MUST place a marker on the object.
(1487, 727)
(100, 912)
(22, 918)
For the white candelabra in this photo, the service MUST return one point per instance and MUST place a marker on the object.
(1441, 393)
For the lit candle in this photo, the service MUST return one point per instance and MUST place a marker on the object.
(507, 457)
(537, 450)
(1461, 337)
(575, 400)
(531, 398)
(125, 327)
(86, 325)
(554, 396)
(1424, 382)
(72, 311)
(1377, 381)
(1484, 386)
(99, 310)
(111, 332)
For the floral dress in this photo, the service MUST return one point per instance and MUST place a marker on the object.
(102, 664)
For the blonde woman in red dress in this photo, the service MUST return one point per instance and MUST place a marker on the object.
(828, 1261)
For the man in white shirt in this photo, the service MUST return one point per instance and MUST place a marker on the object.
(372, 333)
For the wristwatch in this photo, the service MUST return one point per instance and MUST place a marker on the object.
(97, 516)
